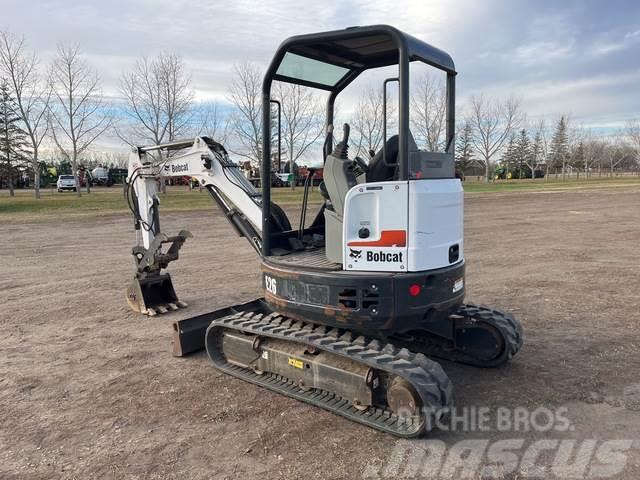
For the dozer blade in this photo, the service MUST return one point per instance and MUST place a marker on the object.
(153, 294)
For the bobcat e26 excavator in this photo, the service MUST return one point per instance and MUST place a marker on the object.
(358, 303)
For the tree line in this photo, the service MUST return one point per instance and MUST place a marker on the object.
(539, 149)
(61, 106)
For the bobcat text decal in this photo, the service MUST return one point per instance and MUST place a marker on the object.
(179, 168)
(393, 257)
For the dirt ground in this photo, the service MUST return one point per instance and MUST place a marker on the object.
(88, 389)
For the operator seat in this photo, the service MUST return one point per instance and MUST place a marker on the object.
(379, 171)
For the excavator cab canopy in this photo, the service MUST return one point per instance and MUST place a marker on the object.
(330, 61)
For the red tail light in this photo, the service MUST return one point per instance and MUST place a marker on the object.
(414, 290)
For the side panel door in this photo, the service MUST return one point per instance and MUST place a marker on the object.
(375, 227)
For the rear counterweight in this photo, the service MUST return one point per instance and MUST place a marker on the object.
(366, 302)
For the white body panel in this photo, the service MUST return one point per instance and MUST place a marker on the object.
(377, 207)
(436, 212)
(428, 213)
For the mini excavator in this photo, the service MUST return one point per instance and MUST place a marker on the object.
(359, 301)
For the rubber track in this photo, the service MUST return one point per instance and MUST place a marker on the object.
(427, 377)
(507, 326)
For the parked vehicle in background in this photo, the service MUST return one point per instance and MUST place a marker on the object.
(281, 179)
(107, 176)
(316, 179)
(100, 176)
(504, 173)
(66, 182)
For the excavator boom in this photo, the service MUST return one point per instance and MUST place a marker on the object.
(151, 290)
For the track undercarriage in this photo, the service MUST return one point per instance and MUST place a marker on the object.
(390, 384)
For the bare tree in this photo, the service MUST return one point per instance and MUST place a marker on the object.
(492, 122)
(546, 153)
(209, 122)
(302, 121)
(428, 112)
(177, 93)
(541, 146)
(109, 159)
(632, 132)
(245, 95)
(78, 112)
(31, 94)
(367, 122)
(159, 100)
(618, 148)
(594, 151)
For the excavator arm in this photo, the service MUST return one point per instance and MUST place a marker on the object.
(207, 161)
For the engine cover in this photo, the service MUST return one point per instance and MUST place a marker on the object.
(408, 226)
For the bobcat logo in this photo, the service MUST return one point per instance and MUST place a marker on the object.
(355, 254)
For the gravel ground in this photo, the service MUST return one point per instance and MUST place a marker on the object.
(88, 389)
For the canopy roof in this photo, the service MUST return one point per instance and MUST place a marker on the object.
(329, 60)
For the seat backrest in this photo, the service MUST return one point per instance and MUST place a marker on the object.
(378, 171)
(338, 180)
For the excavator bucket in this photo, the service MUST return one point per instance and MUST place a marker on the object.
(153, 294)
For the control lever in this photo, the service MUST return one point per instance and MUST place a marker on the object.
(346, 129)
(361, 164)
(342, 149)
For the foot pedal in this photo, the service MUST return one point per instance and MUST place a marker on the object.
(296, 245)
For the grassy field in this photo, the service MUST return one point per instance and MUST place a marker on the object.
(104, 201)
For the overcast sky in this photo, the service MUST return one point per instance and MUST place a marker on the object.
(582, 57)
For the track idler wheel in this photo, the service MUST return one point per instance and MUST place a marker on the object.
(486, 337)
(479, 340)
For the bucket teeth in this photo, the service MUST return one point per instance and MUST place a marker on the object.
(153, 294)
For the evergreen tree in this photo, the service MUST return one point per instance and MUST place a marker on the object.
(13, 139)
(536, 154)
(508, 159)
(522, 153)
(464, 148)
(560, 145)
